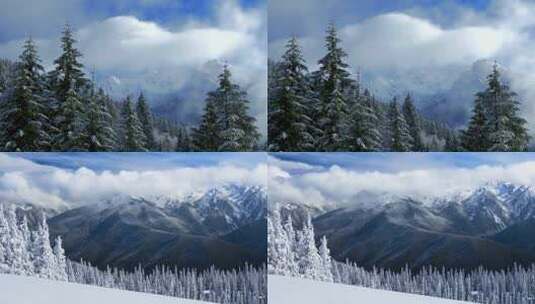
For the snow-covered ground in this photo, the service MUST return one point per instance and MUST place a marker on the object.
(28, 290)
(286, 290)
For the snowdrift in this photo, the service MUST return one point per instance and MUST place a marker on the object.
(286, 290)
(29, 290)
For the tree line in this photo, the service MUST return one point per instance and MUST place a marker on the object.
(28, 252)
(63, 110)
(293, 252)
(328, 110)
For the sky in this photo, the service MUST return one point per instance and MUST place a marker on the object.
(163, 47)
(66, 180)
(330, 179)
(416, 46)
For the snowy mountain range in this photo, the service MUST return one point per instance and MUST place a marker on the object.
(491, 226)
(223, 226)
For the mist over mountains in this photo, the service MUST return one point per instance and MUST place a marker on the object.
(223, 227)
(489, 226)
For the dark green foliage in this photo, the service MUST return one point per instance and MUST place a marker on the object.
(413, 122)
(400, 137)
(289, 124)
(145, 118)
(25, 124)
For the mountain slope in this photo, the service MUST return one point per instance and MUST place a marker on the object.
(490, 226)
(286, 290)
(14, 289)
(223, 227)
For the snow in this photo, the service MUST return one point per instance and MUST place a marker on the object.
(286, 290)
(28, 290)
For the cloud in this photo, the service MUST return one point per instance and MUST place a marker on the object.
(399, 40)
(421, 48)
(168, 59)
(23, 181)
(336, 185)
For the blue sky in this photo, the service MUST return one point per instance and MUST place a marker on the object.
(141, 161)
(397, 162)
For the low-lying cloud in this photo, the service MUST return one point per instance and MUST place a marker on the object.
(23, 181)
(336, 185)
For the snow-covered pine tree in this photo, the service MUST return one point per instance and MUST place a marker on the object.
(280, 247)
(206, 135)
(132, 131)
(15, 243)
(145, 118)
(4, 230)
(43, 256)
(25, 123)
(363, 132)
(400, 137)
(333, 80)
(99, 128)
(307, 254)
(68, 72)
(289, 123)
(326, 261)
(237, 129)
(291, 262)
(60, 261)
(506, 129)
(71, 124)
(70, 86)
(27, 245)
(413, 122)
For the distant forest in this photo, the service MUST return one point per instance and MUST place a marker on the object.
(328, 110)
(63, 110)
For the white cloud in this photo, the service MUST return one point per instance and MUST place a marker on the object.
(22, 181)
(336, 185)
(399, 40)
(164, 60)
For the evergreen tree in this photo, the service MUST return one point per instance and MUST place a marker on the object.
(288, 122)
(326, 261)
(146, 120)
(44, 260)
(60, 261)
(334, 79)
(237, 131)
(452, 143)
(25, 124)
(71, 124)
(134, 138)
(400, 138)
(99, 128)
(68, 74)
(15, 243)
(183, 141)
(413, 122)
(363, 127)
(206, 136)
(27, 245)
(308, 256)
(507, 131)
(68, 82)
